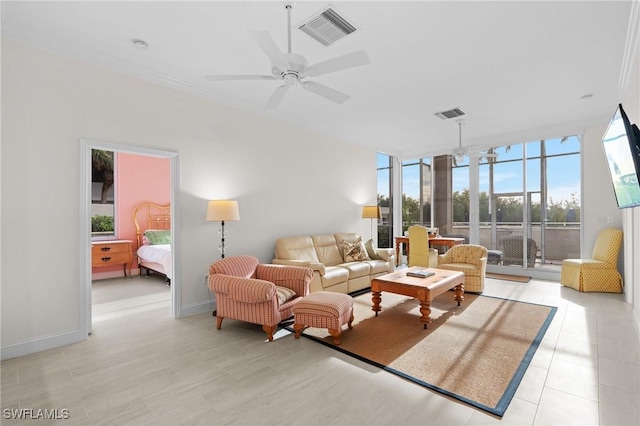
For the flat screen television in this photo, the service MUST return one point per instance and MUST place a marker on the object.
(621, 144)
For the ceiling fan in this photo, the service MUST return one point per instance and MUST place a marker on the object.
(460, 152)
(293, 69)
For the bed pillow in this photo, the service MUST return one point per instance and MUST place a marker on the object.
(158, 236)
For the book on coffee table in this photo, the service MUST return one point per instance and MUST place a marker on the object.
(420, 274)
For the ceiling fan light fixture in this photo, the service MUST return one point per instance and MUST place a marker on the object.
(460, 151)
(290, 79)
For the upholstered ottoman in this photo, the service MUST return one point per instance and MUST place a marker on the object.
(324, 309)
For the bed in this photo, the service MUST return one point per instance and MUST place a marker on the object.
(153, 239)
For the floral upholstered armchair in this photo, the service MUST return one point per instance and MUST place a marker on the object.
(470, 259)
(247, 290)
(600, 273)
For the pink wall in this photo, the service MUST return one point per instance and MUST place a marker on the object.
(139, 179)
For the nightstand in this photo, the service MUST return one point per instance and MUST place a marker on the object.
(115, 252)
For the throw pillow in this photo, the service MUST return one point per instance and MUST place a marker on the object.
(371, 250)
(354, 252)
(284, 294)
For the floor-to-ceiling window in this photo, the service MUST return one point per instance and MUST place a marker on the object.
(385, 196)
(416, 193)
(560, 224)
(460, 197)
(529, 206)
(528, 199)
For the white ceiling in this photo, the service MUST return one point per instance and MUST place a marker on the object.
(518, 69)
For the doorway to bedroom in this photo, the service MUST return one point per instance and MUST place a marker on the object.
(130, 199)
(138, 177)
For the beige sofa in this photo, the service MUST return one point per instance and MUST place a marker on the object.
(324, 254)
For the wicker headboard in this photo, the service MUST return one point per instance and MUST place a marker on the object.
(151, 216)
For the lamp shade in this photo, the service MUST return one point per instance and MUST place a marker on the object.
(219, 210)
(371, 212)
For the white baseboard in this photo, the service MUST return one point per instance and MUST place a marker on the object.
(198, 308)
(56, 341)
(635, 313)
(41, 344)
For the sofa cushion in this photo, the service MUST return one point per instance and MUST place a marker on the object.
(378, 266)
(346, 236)
(327, 250)
(296, 248)
(334, 275)
(356, 269)
(354, 252)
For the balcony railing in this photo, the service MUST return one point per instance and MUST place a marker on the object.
(561, 240)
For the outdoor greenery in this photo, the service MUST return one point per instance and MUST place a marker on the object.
(102, 162)
(509, 209)
(102, 223)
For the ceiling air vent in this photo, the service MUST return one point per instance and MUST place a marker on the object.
(327, 27)
(452, 113)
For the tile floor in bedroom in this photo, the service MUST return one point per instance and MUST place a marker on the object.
(140, 367)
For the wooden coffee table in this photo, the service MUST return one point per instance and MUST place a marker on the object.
(423, 289)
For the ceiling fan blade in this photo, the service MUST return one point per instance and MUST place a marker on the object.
(268, 46)
(350, 60)
(238, 77)
(325, 91)
(276, 97)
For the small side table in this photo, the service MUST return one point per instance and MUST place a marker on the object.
(404, 241)
(114, 252)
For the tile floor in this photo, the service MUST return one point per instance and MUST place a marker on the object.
(140, 367)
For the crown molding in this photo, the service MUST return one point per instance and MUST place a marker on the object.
(165, 80)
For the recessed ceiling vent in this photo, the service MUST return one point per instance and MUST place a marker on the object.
(327, 27)
(452, 113)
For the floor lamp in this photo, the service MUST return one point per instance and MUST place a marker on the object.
(219, 211)
(371, 212)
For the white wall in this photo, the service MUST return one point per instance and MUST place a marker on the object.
(631, 217)
(599, 207)
(288, 181)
